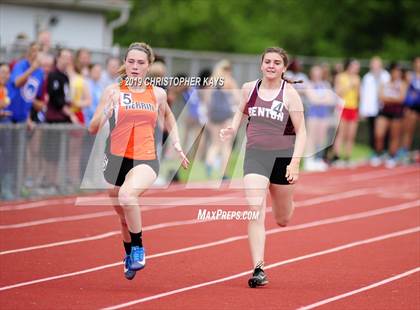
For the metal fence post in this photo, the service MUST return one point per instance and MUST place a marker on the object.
(194, 67)
(20, 131)
(62, 175)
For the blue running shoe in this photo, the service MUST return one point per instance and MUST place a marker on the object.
(128, 272)
(138, 258)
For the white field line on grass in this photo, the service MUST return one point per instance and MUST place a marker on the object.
(274, 265)
(339, 219)
(362, 289)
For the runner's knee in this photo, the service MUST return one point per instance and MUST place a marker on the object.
(127, 199)
(282, 221)
(283, 218)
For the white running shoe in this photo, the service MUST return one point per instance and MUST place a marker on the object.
(390, 163)
(375, 161)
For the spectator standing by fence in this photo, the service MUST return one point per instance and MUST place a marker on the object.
(110, 75)
(347, 86)
(83, 61)
(90, 148)
(5, 137)
(369, 95)
(320, 101)
(412, 111)
(23, 87)
(220, 107)
(58, 111)
(391, 95)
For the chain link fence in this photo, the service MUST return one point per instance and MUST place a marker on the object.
(47, 160)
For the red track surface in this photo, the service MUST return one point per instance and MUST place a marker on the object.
(351, 229)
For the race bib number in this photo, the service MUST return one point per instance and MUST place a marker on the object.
(126, 99)
(277, 109)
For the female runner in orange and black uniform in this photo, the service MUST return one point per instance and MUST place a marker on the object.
(131, 162)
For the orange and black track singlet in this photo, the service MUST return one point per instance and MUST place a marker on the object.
(132, 125)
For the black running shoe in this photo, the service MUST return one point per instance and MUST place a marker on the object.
(258, 278)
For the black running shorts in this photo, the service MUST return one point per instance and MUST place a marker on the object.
(269, 163)
(116, 167)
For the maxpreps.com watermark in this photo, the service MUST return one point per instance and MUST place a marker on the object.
(207, 215)
(175, 81)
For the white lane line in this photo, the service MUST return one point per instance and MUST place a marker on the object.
(227, 199)
(230, 239)
(344, 218)
(380, 174)
(101, 236)
(352, 177)
(58, 219)
(38, 204)
(395, 208)
(307, 202)
(174, 201)
(66, 201)
(61, 243)
(199, 201)
(334, 197)
(280, 263)
(77, 273)
(362, 289)
(364, 178)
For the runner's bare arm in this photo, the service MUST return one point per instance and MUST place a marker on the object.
(240, 112)
(170, 124)
(169, 118)
(297, 116)
(296, 112)
(105, 108)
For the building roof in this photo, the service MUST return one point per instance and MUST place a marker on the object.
(91, 5)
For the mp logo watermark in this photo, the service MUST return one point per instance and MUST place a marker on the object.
(219, 214)
(216, 189)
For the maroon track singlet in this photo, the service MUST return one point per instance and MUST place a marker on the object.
(269, 124)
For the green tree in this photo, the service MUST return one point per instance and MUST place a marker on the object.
(307, 27)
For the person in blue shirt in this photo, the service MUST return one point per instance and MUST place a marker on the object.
(6, 142)
(92, 179)
(96, 88)
(25, 85)
(411, 113)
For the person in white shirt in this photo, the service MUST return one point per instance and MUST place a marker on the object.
(369, 95)
(110, 75)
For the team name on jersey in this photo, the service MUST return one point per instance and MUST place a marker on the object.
(274, 113)
(128, 103)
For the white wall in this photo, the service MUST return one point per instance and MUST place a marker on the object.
(75, 28)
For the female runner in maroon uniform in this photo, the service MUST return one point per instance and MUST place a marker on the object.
(276, 138)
